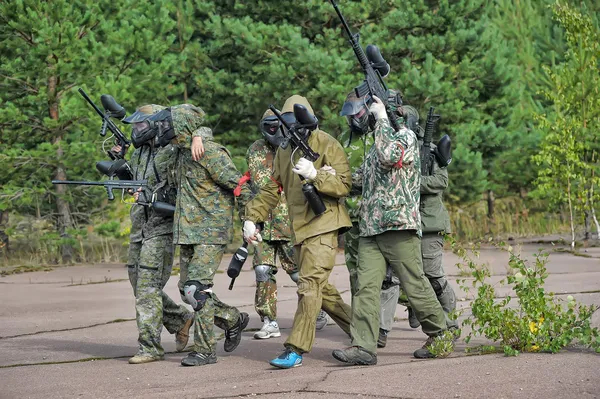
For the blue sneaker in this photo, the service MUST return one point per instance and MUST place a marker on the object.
(287, 360)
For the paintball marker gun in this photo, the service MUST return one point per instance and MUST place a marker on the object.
(426, 154)
(108, 184)
(304, 120)
(375, 69)
(119, 168)
(112, 110)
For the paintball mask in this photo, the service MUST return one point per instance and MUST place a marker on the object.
(272, 130)
(165, 131)
(144, 130)
(356, 112)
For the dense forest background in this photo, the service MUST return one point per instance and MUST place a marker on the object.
(516, 82)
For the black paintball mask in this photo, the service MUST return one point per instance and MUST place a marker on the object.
(272, 130)
(165, 131)
(143, 130)
(356, 111)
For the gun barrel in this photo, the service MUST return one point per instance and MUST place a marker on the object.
(111, 183)
(89, 100)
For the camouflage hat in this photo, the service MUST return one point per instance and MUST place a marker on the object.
(143, 113)
(187, 122)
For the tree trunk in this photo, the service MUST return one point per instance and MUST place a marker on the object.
(571, 214)
(4, 248)
(65, 220)
(490, 203)
(586, 223)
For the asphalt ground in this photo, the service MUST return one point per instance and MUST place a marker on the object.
(69, 333)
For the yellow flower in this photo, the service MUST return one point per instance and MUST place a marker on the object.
(533, 327)
(541, 320)
(535, 348)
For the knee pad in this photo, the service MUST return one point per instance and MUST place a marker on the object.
(295, 276)
(263, 273)
(439, 285)
(195, 294)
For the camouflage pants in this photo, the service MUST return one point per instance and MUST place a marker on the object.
(149, 265)
(200, 262)
(388, 292)
(265, 298)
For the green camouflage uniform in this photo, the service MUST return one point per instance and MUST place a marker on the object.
(435, 221)
(203, 223)
(276, 233)
(150, 257)
(315, 236)
(390, 230)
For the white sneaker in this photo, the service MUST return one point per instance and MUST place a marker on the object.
(321, 320)
(269, 330)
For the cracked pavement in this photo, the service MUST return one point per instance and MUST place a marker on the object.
(62, 337)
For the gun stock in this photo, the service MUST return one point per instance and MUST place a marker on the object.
(114, 110)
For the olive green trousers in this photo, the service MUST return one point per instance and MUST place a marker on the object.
(402, 250)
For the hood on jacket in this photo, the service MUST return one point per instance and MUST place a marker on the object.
(187, 120)
(296, 99)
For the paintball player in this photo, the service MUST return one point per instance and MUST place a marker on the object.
(435, 222)
(206, 178)
(357, 140)
(315, 236)
(150, 257)
(390, 230)
(276, 233)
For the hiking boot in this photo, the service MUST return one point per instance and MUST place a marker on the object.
(182, 337)
(355, 355)
(321, 320)
(382, 340)
(287, 359)
(199, 359)
(269, 330)
(233, 335)
(412, 318)
(424, 352)
(140, 359)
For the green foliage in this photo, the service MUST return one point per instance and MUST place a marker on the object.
(537, 322)
(568, 154)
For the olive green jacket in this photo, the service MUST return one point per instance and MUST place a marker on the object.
(434, 216)
(332, 188)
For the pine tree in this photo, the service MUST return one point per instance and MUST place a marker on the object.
(54, 47)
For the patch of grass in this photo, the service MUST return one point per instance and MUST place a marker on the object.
(25, 269)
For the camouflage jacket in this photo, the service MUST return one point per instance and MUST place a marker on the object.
(205, 200)
(434, 216)
(390, 179)
(260, 158)
(150, 163)
(356, 147)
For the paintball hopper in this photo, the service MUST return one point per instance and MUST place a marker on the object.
(237, 262)
(119, 168)
(443, 151)
(377, 61)
(112, 108)
(305, 118)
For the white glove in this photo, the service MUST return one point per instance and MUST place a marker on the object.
(251, 235)
(377, 109)
(305, 168)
